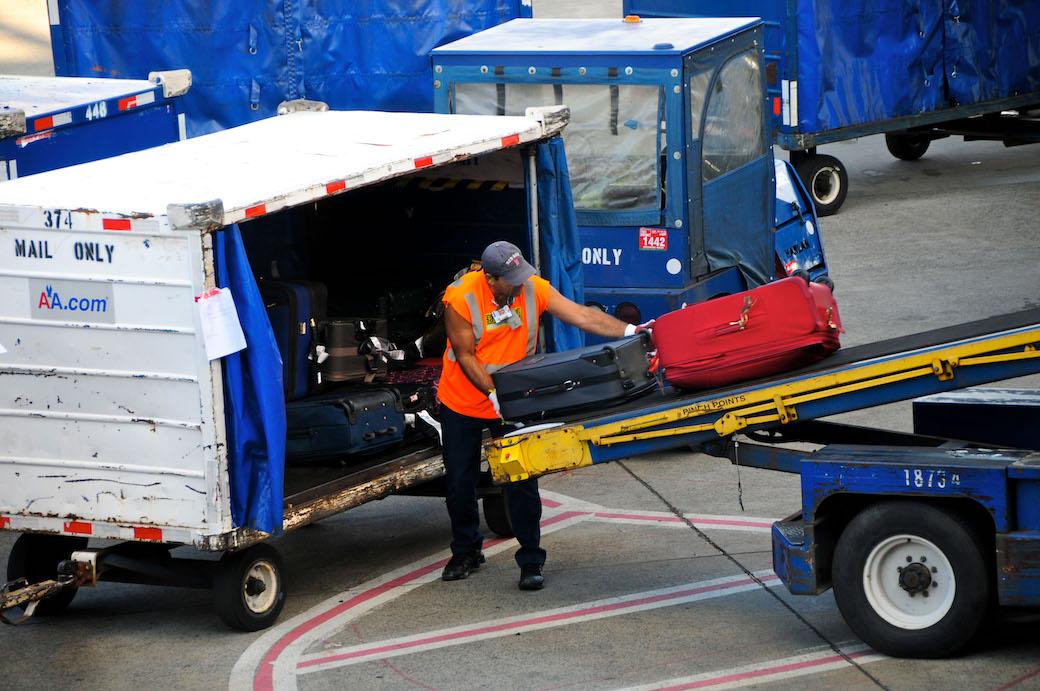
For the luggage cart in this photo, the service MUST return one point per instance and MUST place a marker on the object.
(919, 535)
(53, 122)
(115, 422)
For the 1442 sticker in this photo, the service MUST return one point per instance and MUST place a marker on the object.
(653, 239)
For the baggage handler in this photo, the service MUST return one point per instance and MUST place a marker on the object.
(491, 317)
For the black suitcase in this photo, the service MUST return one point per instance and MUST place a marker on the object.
(350, 421)
(296, 310)
(551, 383)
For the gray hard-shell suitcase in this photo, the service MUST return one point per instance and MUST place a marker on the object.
(551, 383)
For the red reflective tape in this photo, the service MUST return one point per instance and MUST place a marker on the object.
(776, 105)
(115, 223)
(153, 534)
(258, 210)
(4, 521)
(79, 527)
(128, 102)
(511, 140)
(43, 123)
(334, 187)
(424, 162)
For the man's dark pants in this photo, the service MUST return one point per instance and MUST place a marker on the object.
(462, 436)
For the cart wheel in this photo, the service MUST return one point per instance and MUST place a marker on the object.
(36, 557)
(825, 178)
(911, 579)
(826, 281)
(248, 588)
(496, 515)
(906, 147)
(802, 274)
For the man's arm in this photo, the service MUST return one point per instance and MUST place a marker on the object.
(586, 318)
(464, 345)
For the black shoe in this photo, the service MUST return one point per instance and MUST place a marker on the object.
(461, 566)
(531, 577)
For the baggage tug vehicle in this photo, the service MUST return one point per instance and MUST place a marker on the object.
(677, 194)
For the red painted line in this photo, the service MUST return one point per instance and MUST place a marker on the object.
(79, 527)
(1019, 680)
(128, 102)
(334, 187)
(424, 162)
(153, 534)
(115, 223)
(511, 140)
(4, 521)
(43, 123)
(264, 679)
(545, 619)
(674, 519)
(765, 671)
(550, 503)
(258, 210)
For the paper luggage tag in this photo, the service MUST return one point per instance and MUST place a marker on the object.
(221, 329)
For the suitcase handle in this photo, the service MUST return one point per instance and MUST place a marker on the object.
(369, 436)
(742, 321)
(568, 385)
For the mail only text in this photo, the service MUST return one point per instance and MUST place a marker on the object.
(97, 252)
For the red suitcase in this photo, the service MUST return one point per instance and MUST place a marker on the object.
(774, 328)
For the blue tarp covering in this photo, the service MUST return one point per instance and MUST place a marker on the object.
(247, 56)
(558, 238)
(859, 62)
(254, 405)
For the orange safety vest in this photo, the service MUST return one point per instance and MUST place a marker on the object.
(498, 345)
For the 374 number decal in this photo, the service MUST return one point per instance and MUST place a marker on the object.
(57, 218)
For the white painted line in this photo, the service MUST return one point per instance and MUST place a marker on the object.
(702, 521)
(270, 662)
(817, 662)
(509, 626)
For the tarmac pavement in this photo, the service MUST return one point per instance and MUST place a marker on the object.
(634, 596)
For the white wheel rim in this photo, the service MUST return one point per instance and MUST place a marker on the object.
(829, 178)
(260, 602)
(893, 583)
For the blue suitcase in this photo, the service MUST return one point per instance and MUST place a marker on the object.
(346, 422)
(296, 310)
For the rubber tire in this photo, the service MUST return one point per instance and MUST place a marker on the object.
(810, 167)
(35, 557)
(962, 547)
(496, 515)
(228, 581)
(802, 274)
(906, 147)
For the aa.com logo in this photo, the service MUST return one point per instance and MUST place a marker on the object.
(80, 301)
(50, 299)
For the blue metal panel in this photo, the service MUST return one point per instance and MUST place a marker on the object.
(1027, 501)
(797, 240)
(793, 562)
(1018, 569)
(615, 258)
(71, 121)
(909, 472)
(586, 37)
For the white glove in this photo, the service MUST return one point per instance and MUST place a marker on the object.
(633, 329)
(493, 397)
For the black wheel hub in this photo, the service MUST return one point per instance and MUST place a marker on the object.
(254, 586)
(915, 578)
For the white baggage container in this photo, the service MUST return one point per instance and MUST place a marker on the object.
(111, 415)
